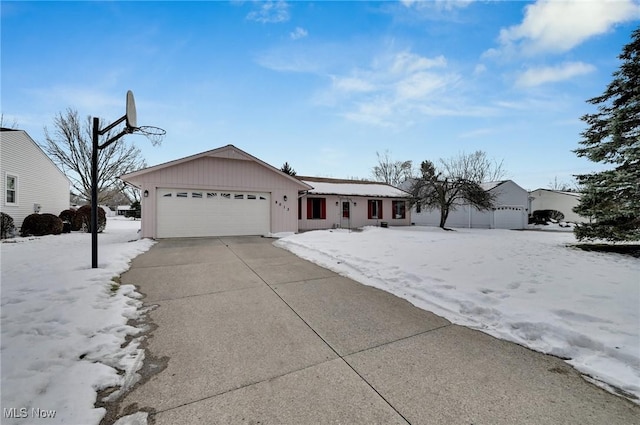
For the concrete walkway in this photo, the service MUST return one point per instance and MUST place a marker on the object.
(252, 334)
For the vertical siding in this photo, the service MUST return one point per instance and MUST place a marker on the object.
(223, 174)
(39, 180)
(549, 200)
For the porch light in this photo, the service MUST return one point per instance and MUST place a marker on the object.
(146, 193)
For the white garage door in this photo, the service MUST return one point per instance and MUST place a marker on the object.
(196, 213)
(509, 217)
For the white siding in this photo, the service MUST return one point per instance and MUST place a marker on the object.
(39, 180)
(511, 200)
(543, 199)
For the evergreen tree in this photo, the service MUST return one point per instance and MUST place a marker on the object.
(611, 198)
(286, 168)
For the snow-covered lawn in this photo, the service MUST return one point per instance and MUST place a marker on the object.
(63, 323)
(523, 286)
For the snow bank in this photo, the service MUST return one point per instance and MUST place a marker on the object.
(63, 323)
(523, 286)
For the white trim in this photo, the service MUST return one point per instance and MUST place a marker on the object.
(16, 189)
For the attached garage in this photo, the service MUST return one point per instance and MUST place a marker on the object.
(222, 192)
(211, 213)
(509, 217)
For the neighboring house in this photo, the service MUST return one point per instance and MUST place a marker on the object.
(31, 181)
(547, 199)
(509, 212)
(333, 203)
(122, 209)
(221, 192)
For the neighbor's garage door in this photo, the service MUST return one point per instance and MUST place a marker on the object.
(195, 213)
(509, 217)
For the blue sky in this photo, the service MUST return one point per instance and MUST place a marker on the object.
(324, 85)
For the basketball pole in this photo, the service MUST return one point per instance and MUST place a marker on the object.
(94, 178)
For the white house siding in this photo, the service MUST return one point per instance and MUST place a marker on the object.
(225, 169)
(358, 213)
(39, 180)
(545, 199)
(511, 200)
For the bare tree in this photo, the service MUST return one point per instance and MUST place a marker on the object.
(4, 124)
(563, 186)
(70, 148)
(475, 167)
(390, 171)
(457, 182)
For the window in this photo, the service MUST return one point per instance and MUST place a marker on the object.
(226, 195)
(211, 195)
(181, 195)
(316, 208)
(375, 209)
(11, 186)
(251, 196)
(167, 195)
(418, 208)
(398, 209)
(196, 195)
(238, 196)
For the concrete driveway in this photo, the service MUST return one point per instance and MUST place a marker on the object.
(248, 333)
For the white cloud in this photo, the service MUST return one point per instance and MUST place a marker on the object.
(406, 62)
(298, 33)
(551, 74)
(558, 26)
(352, 84)
(270, 12)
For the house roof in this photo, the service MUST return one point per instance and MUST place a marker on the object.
(228, 151)
(561, 192)
(329, 186)
(487, 186)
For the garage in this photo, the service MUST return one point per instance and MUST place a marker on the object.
(221, 192)
(198, 213)
(509, 217)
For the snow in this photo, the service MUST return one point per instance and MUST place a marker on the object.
(528, 287)
(63, 323)
(355, 189)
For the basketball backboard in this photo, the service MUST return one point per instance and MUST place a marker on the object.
(132, 119)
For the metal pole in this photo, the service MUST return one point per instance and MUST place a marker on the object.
(94, 194)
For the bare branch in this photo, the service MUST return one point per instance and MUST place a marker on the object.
(70, 148)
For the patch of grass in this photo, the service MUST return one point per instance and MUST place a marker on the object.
(115, 285)
(626, 249)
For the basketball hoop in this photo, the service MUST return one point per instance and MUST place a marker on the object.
(154, 134)
(130, 119)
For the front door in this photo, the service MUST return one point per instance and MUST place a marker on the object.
(345, 221)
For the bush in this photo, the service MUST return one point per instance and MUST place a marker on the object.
(69, 216)
(83, 219)
(545, 216)
(8, 229)
(40, 225)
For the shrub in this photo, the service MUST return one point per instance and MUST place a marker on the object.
(69, 216)
(40, 225)
(83, 219)
(546, 216)
(8, 229)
